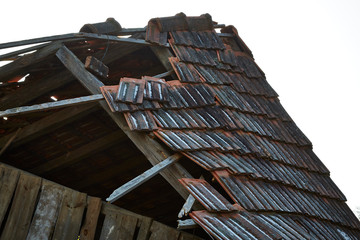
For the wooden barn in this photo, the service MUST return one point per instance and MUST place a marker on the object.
(165, 132)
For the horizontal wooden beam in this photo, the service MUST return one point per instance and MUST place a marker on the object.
(142, 178)
(124, 31)
(51, 105)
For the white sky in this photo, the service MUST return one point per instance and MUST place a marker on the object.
(309, 51)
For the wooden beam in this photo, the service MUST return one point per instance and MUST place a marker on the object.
(51, 105)
(152, 149)
(49, 123)
(124, 31)
(79, 153)
(142, 178)
(21, 51)
(21, 65)
(187, 224)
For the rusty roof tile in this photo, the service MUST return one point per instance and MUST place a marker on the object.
(211, 199)
(154, 35)
(140, 121)
(131, 90)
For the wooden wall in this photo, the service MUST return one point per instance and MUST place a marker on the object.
(35, 208)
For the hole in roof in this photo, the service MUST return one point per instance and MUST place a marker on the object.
(23, 78)
(5, 118)
(54, 98)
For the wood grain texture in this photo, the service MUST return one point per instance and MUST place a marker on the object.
(8, 180)
(47, 210)
(70, 215)
(22, 207)
(88, 229)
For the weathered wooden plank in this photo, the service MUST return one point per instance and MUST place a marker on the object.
(15, 54)
(88, 229)
(79, 153)
(49, 123)
(122, 32)
(8, 180)
(160, 231)
(47, 210)
(70, 215)
(153, 151)
(22, 207)
(144, 225)
(109, 230)
(51, 105)
(188, 236)
(142, 178)
(127, 227)
(20, 66)
(187, 206)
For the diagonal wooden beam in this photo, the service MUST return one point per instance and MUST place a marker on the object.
(51, 105)
(152, 150)
(48, 124)
(142, 178)
(79, 153)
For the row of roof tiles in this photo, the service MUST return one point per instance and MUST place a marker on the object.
(268, 170)
(258, 195)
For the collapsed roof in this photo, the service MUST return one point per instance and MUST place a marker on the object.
(185, 96)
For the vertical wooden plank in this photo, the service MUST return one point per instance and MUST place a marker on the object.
(8, 180)
(70, 215)
(47, 210)
(160, 231)
(188, 236)
(144, 224)
(22, 207)
(127, 227)
(92, 214)
(108, 230)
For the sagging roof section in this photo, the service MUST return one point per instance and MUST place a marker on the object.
(222, 114)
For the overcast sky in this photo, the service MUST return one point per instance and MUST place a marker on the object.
(309, 51)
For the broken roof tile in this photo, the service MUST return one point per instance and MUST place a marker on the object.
(131, 90)
(155, 89)
(211, 199)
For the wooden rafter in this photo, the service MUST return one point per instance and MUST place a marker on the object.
(153, 150)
